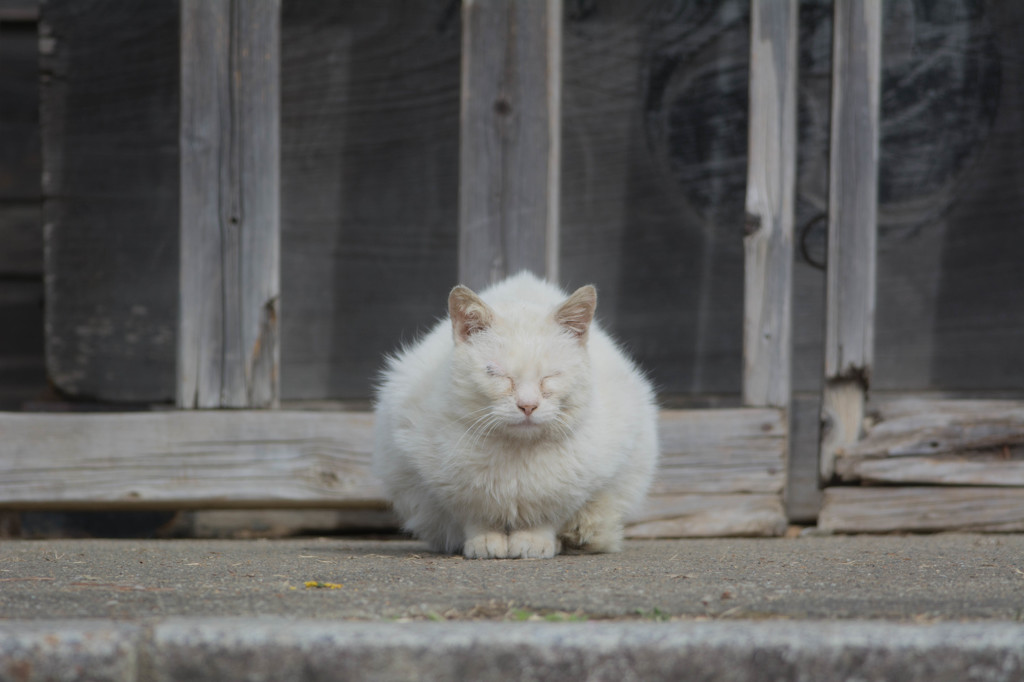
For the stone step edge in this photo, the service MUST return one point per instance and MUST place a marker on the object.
(200, 649)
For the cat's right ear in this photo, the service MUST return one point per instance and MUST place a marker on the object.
(469, 313)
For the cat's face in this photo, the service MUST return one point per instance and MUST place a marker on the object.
(524, 373)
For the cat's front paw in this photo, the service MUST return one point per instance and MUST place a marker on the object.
(532, 544)
(488, 545)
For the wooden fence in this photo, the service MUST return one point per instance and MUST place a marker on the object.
(723, 470)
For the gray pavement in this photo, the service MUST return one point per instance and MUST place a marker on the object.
(815, 608)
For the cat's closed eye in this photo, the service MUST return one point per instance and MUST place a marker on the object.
(495, 371)
(545, 387)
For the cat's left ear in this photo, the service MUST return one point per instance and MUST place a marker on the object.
(469, 313)
(577, 312)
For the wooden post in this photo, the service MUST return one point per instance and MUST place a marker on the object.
(230, 216)
(510, 139)
(853, 208)
(771, 180)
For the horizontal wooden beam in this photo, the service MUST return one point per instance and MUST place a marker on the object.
(722, 451)
(182, 460)
(922, 509)
(287, 459)
(1005, 469)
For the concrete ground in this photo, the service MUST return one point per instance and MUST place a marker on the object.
(172, 609)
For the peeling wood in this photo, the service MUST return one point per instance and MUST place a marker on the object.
(842, 419)
(951, 442)
(932, 427)
(852, 224)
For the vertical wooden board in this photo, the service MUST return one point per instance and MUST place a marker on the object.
(109, 116)
(259, 62)
(771, 190)
(230, 122)
(510, 139)
(853, 190)
(369, 196)
(853, 212)
(207, 168)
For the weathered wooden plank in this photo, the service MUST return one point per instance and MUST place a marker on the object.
(946, 442)
(885, 409)
(926, 509)
(240, 458)
(211, 459)
(941, 426)
(982, 468)
(771, 192)
(722, 451)
(230, 212)
(852, 222)
(853, 190)
(510, 146)
(686, 516)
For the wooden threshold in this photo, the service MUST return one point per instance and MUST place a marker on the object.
(720, 469)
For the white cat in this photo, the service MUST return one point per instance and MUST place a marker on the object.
(515, 425)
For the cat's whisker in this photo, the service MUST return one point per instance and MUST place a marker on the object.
(495, 423)
(480, 424)
(467, 415)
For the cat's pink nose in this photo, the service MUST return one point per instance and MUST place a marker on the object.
(527, 408)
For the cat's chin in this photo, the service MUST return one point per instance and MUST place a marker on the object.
(525, 429)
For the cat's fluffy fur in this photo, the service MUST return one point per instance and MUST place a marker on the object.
(515, 425)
